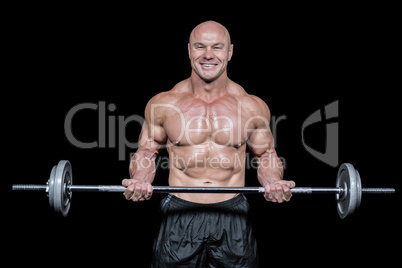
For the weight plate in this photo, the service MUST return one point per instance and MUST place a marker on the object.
(358, 189)
(348, 178)
(50, 185)
(61, 195)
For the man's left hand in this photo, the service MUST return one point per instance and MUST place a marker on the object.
(279, 191)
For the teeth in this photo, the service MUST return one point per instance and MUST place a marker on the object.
(210, 65)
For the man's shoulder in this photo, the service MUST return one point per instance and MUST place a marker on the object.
(171, 96)
(164, 104)
(251, 103)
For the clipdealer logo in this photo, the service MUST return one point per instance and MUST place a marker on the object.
(107, 125)
(103, 132)
(331, 154)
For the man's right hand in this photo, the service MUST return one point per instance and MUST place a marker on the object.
(137, 190)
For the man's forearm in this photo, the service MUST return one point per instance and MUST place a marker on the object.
(142, 165)
(270, 168)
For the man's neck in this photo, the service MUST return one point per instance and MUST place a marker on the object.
(209, 90)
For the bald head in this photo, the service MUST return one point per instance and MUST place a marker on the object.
(210, 28)
(209, 50)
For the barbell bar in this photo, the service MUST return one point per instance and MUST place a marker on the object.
(59, 187)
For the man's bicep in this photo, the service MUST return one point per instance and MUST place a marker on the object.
(153, 125)
(151, 137)
(260, 136)
(261, 141)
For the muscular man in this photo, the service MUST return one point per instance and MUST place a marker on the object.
(206, 122)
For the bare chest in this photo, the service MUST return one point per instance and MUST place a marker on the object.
(194, 123)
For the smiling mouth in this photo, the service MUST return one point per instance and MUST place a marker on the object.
(208, 65)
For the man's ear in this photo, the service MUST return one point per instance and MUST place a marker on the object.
(230, 52)
(188, 46)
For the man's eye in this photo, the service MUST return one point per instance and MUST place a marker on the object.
(218, 48)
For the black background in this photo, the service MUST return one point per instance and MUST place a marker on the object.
(296, 58)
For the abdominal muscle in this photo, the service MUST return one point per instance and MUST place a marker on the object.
(206, 167)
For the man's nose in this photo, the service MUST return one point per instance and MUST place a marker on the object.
(209, 53)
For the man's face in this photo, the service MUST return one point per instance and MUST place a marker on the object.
(209, 52)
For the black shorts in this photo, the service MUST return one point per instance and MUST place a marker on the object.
(205, 235)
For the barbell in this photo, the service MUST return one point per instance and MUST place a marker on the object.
(59, 188)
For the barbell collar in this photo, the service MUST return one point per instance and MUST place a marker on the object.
(378, 190)
(30, 187)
